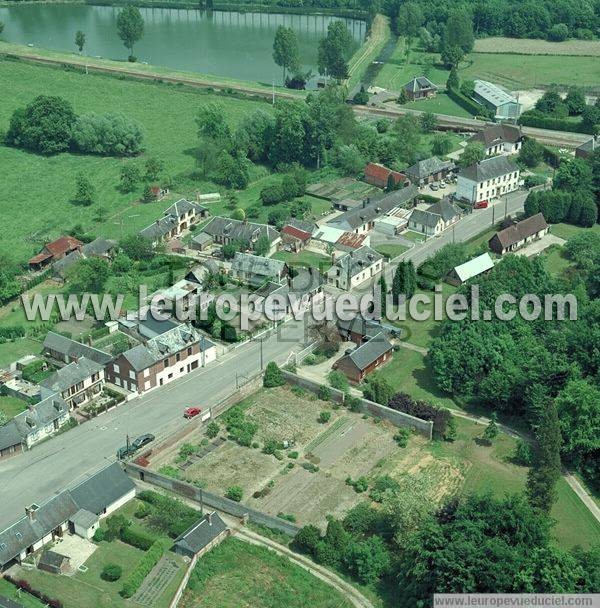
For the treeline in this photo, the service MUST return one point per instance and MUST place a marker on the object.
(545, 19)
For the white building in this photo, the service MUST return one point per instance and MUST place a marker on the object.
(355, 267)
(435, 219)
(499, 139)
(502, 104)
(488, 179)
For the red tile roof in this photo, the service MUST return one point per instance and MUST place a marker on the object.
(296, 232)
(351, 239)
(382, 173)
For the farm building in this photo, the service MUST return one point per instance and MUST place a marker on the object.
(473, 268)
(53, 562)
(587, 147)
(429, 170)
(202, 536)
(54, 251)
(502, 104)
(380, 176)
(356, 364)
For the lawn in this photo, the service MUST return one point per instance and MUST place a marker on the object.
(529, 46)
(390, 250)
(305, 258)
(555, 261)
(12, 351)
(11, 406)
(238, 574)
(411, 235)
(567, 231)
(41, 187)
(361, 60)
(11, 592)
(440, 104)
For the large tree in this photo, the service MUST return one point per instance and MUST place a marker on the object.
(79, 40)
(130, 27)
(286, 53)
(405, 281)
(335, 50)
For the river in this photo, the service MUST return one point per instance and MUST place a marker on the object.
(227, 44)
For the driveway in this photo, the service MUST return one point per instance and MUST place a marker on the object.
(540, 245)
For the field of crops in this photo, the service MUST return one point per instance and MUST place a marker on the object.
(528, 46)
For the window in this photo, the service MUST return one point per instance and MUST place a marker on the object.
(132, 375)
(178, 357)
(166, 363)
(189, 350)
(170, 376)
(146, 372)
(116, 368)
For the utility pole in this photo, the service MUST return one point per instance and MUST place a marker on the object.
(273, 91)
(493, 215)
(261, 355)
(505, 206)
(453, 238)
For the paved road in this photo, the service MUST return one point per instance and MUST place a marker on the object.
(58, 462)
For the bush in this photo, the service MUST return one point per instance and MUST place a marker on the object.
(111, 573)
(273, 376)
(324, 393)
(138, 539)
(338, 380)
(523, 453)
(360, 485)
(99, 535)
(241, 429)
(212, 430)
(307, 539)
(234, 493)
(142, 511)
(324, 417)
(107, 135)
(133, 582)
(402, 436)
(440, 417)
(293, 455)
(353, 403)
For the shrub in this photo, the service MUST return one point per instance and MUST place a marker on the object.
(287, 517)
(212, 430)
(307, 539)
(440, 417)
(324, 417)
(138, 539)
(324, 393)
(234, 493)
(523, 453)
(310, 467)
(107, 135)
(338, 380)
(353, 403)
(273, 376)
(133, 582)
(293, 455)
(402, 437)
(142, 511)
(99, 535)
(383, 486)
(361, 484)
(111, 573)
(241, 429)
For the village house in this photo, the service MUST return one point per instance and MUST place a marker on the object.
(77, 383)
(361, 361)
(176, 219)
(202, 536)
(54, 562)
(429, 170)
(497, 101)
(499, 139)
(587, 147)
(100, 248)
(356, 267)
(487, 179)
(54, 251)
(256, 270)
(361, 219)
(143, 325)
(179, 297)
(161, 360)
(473, 268)
(37, 422)
(435, 219)
(85, 504)
(420, 87)
(360, 330)
(65, 350)
(379, 175)
(519, 234)
(294, 239)
(224, 230)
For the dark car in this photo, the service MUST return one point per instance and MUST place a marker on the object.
(126, 451)
(143, 440)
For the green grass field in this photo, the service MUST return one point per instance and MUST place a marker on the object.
(11, 406)
(567, 231)
(10, 592)
(11, 351)
(305, 258)
(238, 574)
(390, 250)
(39, 208)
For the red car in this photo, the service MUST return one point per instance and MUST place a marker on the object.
(190, 412)
(481, 205)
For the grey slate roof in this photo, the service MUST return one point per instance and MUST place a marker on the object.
(247, 263)
(84, 518)
(203, 239)
(368, 352)
(173, 341)
(71, 348)
(521, 230)
(590, 145)
(367, 328)
(160, 228)
(224, 227)
(420, 83)
(40, 415)
(374, 207)
(428, 166)
(498, 134)
(356, 261)
(71, 374)
(198, 536)
(94, 494)
(306, 281)
(309, 227)
(99, 247)
(9, 435)
(489, 168)
(52, 558)
(102, 489)
(182, 206)
(61, 267)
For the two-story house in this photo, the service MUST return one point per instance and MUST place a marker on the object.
(435, 219)
(355, 267)
(487, 179)
(499, 139)
(161, 360)
(77, 383)
(256, 270)
(176, 218)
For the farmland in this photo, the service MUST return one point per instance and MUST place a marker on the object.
(529, 46)
(240, 574)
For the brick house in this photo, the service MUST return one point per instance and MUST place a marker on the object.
(379, 175)
(519, 234)
(420, 87)
(161, 360)
(294, 239)
(370, 355)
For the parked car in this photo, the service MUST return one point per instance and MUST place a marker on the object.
(143, 440)
(481, 205)
(191, 412)
(126, 451)
(434, 186)
(442, 185)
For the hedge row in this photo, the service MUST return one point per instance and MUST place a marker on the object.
(10, 332)
(555, 124)
(134, 581)
(26, 586)
(440, 417)
(464, 102)
(137, 539)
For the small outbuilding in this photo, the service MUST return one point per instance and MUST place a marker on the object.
(202, 536)
(84, 523)
(462, 273)
(53, 562)
(366, 358)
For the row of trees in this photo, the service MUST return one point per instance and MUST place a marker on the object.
(49, 125)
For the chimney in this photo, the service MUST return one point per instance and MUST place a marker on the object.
(31, 511)
(209, 518)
